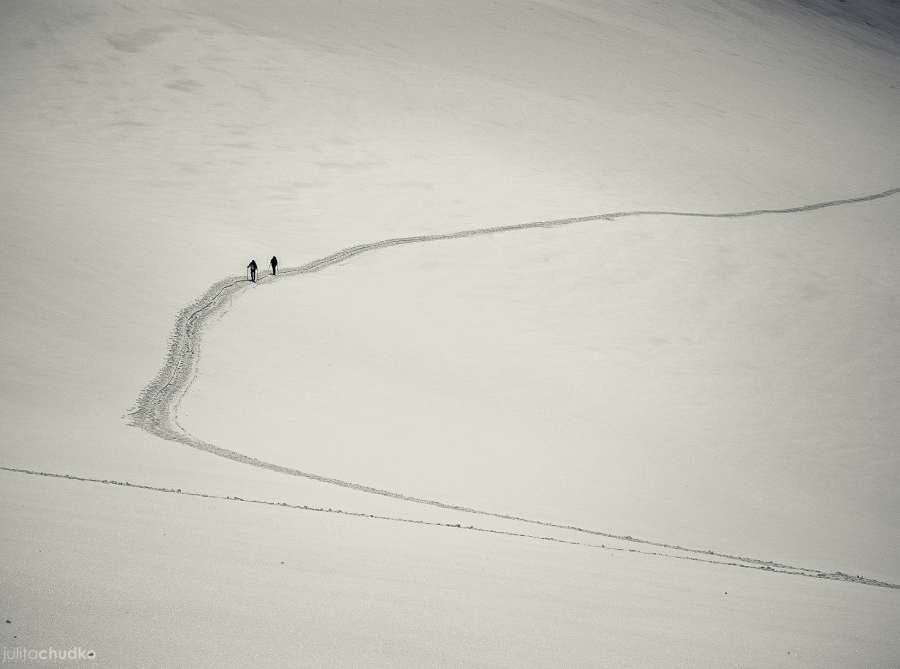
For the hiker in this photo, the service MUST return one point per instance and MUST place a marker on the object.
(252, 268)
(274, 263)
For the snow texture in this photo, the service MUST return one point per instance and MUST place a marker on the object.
(656, 426)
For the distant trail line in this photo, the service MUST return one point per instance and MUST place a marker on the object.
(156, 407)
(351, 251)
(777, 569)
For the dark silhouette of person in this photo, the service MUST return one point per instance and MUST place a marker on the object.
(274, 263)
(252, 268)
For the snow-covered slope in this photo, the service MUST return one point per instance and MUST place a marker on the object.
(715, 383)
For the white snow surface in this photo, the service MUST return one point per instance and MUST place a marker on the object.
(712, 383)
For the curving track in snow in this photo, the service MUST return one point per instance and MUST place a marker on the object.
(156, 408)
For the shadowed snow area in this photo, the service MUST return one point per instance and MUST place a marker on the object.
(724, 384)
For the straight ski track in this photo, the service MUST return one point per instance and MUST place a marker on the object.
(156, 408)
(763, 566)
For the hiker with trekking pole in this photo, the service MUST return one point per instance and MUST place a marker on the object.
(252, 269)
